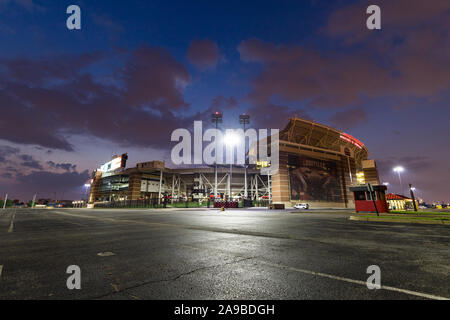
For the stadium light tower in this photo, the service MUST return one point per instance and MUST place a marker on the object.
(399, 170)
(231, 139)
(245, 119)
(216, 118)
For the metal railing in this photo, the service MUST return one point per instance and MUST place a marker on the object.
(144, 203)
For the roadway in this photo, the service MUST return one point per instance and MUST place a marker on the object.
(208, 254)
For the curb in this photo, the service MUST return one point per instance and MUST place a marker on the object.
(441, 222)
(319, 212)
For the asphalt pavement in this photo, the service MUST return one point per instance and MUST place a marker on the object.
(209, 254)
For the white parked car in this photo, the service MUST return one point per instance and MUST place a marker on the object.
(303, 206)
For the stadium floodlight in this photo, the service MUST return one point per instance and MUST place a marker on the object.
(231, 139)
(216, 118)
(244, 119)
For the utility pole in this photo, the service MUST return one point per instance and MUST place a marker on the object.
(216, 118)
(34, 200)
(411, 191)
(4, 203)
(245, 119)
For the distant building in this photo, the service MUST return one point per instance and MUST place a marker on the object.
(399, 202)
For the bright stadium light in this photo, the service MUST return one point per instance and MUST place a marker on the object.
(231, 139)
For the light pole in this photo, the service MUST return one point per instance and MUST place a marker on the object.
(245, 119)
(216, 118)
(399, 170)
(411, 191)
(231, 140)
(4, 203)
(33, 202)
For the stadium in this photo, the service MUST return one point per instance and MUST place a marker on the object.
(317, 165)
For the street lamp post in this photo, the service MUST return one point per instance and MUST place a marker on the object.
(399, 170)
(411, 191)
(231, 182)
(33, 202)
(4, 203)
(216, 118)
(245, 119)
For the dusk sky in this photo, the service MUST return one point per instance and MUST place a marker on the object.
(137, 70)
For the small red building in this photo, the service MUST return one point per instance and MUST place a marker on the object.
(364, 201)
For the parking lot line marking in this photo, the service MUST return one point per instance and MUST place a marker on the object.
(11, 226)
(324, 275)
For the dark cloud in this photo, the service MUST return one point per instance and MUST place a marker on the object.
(204, 54)
(63, 166)
(296, 74)
(29, 162)
(26, 157)
(54, 98)
(154, 78)
(23, 176)
(47, 183)
(271, 116)
(7, 151)
(407, 59)
(32, 164)
(349, 119)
